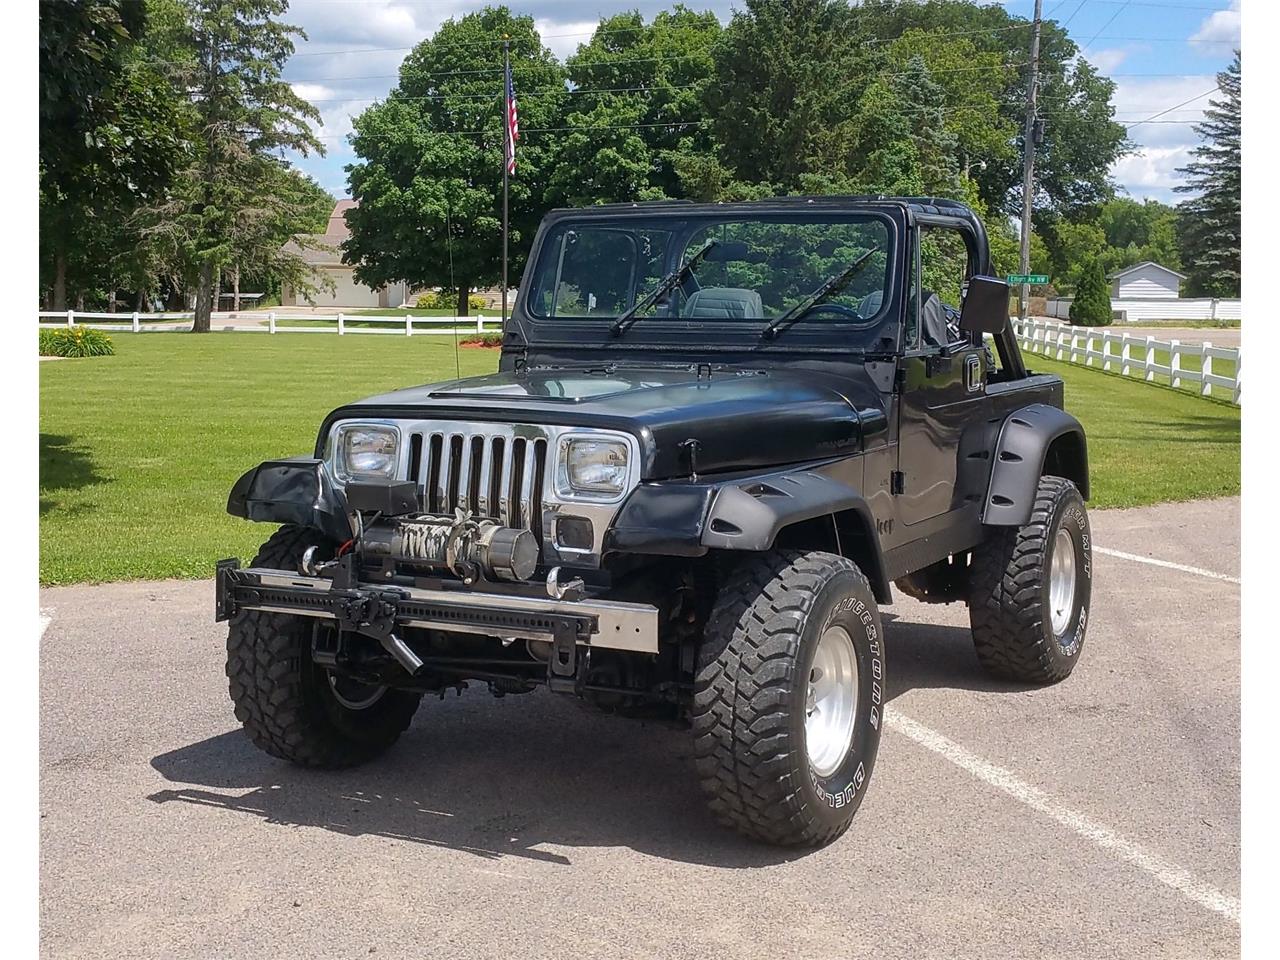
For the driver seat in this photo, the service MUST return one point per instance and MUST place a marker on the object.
(933, 319)
(725, 303)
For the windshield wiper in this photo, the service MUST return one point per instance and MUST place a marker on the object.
(828, 289)
(665, 286)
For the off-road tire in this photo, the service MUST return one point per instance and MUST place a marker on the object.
(749, 696)
(1009, 590)
(283, 700)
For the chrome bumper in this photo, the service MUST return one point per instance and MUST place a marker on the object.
(377, 607)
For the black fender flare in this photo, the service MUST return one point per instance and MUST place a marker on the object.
(296, 490)
(1034, 440)
(688, 518)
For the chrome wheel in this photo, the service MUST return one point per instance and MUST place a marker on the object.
(353, 694)
(1062, 581)
(831, 702)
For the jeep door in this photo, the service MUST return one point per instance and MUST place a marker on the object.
(942, 374)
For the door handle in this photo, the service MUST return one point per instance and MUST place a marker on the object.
(973, 373)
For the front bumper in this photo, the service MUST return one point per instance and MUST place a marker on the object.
(379, 609)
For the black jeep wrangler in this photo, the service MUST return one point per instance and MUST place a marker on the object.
(718, 433)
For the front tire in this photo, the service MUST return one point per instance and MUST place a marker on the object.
(788, 697)
(1030, 589)
(290, 707)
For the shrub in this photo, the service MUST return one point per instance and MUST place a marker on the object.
(75, 342)
(484, 339)
(1092, 305)
(448, 300)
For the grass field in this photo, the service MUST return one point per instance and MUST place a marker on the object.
(139, 450)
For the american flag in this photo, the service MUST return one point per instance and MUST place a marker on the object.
(513, 124)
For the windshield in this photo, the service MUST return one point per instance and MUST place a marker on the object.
(758, 268)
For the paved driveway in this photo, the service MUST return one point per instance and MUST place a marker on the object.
(1096, 818)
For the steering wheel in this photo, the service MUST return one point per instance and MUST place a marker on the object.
(838, 310)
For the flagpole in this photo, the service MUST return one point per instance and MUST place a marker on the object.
(506, 167)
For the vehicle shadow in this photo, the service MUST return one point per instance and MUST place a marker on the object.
(503, 778)
(935, 656)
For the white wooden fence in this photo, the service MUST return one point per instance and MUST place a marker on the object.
(1181, 364)
(1130, 310)
(405, 324)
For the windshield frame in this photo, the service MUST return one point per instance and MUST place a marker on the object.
(687, 220)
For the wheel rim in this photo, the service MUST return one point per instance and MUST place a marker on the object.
(1062, 581)
(353, 694)
(831, 702)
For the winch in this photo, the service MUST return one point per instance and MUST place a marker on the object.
(468, 547)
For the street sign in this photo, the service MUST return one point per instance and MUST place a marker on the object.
(1027, 278)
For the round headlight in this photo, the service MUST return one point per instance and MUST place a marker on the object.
(367, 451)
(595, 466)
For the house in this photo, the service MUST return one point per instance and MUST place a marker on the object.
(1145, 281)
(323, 254)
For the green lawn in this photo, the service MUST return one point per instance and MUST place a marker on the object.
(1147, 442)
(139, 450)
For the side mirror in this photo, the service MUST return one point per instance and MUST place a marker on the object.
(986, 306)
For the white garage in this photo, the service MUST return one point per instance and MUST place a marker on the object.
(323, 254)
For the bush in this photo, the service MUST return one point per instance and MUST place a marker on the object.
(448, 300)
(483, 339)
(1092, 305)
(75, 342)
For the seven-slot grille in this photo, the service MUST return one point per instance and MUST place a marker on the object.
(485, 469)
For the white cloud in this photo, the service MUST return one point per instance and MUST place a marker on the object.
(1219, 29)
(1108, 60)
(1161, 148)
(563, 37)
(1153, 171)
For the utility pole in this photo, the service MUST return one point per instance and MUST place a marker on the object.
(1029, 162)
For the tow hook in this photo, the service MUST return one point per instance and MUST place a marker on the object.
(556, 590)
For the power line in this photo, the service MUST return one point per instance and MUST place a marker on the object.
(1153, 118)
(1119, 11)
(498, 94)
(497, 130)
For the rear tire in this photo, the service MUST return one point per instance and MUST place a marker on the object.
(291, 708)
(788, 697)
(1030, 589)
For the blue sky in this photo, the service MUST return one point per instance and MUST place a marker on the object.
(1160, 53)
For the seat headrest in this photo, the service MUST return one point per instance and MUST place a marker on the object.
(729, 303)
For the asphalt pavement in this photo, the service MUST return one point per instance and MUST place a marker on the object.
(1096, 818)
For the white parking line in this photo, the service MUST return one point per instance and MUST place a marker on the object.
(46, 618)
(1198, 571)
(1170, 874)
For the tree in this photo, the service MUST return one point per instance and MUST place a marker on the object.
(1082, 138)
(1210, 220)
(1092, 305)
(635, 109)
(900, 140)
(111, 137)
(237, 192)
(787, 75)
(429, 178)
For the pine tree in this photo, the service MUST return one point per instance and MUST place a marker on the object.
(237, 192)
(1210, 220)
(1092, 305)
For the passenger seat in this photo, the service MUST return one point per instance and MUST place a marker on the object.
(725, 303)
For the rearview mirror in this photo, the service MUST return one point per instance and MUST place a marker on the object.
(986, 306)
(726, 251)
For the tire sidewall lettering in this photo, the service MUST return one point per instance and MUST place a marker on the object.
(843, 790)
(1069, 514)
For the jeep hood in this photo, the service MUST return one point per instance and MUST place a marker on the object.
(739, 418)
